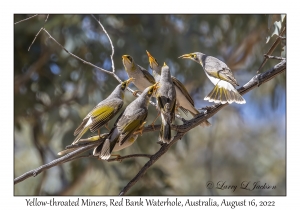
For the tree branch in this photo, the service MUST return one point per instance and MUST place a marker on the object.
(75, 56)
(112, 48)
(26, 19)
(120, 158)
(38, 32)
(66, 158)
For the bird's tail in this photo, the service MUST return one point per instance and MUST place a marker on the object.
(165, 130)
(83, 142)
(106, 147)
(66, 151)
(85, 129)
(223, 93)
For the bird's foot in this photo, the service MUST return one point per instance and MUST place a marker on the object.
(106, 126)
(136, 92)
(117, 158)
(140, 130)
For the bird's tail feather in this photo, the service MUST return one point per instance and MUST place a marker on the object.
(165, 130)
(223, 95)
(105, 148)
(85, 129)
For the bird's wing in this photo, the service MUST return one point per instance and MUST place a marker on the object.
(148, 76)
(102, 114)
(128, 124)
(181, 87)
(218, 69)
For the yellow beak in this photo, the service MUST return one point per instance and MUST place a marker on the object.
(125, 58)
(151, 58)
(186, 56)
(129, 80)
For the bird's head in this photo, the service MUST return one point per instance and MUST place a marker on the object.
(152, 89)
(128, 62)
(153, 62)
(125, 84)
(197, 57)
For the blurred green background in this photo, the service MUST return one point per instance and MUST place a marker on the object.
(53, 91)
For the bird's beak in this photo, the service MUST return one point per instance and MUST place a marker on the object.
(129, 80)
(125, 58)
(164, 64)
(151, 58)
(186, 56)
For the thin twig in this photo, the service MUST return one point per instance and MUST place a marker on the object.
(38, 32)
(75, 56)
(281, 37)
(273, 57)
(271, 50)
(120, 158)
(183, 129)
(111, 44)
(25, 19)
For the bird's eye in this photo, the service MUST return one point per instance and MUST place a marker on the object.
(129, 58)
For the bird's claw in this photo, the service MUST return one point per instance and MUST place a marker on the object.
(118, 158)
(136, 92)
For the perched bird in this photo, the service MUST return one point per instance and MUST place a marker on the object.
(143, 78)
(129, 123)
(183, 99)
(83, 142)
(221, 76)
(103, 112)
(166, 102)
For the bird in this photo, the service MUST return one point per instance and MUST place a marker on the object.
(221, 76)
(143, 78)
(183, 99)
(83, 142)
(166, 102)
(103, 112)
(130, 122)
